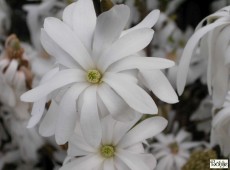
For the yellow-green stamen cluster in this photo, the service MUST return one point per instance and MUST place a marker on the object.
(107, 151)
(174, 147)
(200, 160)
(93, 76)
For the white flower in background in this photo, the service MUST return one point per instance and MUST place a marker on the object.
(169, 43)
(214, 47)
(98, 65)
(203, 115)
(220, 133)
(172, 151)
(120, 146)
(4, 18)
(24, 142)
(15, 77)
(36, 15)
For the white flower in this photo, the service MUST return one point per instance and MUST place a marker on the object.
(36, 15)
(220, 128)
(97, 70)
(214, 47)
(120, 147)
(172, 151)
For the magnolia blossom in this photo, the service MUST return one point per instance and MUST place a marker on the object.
(98, 71)
(120, 146)
(169, 43)
(220, 133)
(172, 151)
(214, 47)
(36, 15)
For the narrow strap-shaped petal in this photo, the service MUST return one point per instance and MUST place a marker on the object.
(84, 163)
(115, 104)
(11, 71)
(56, 51)
(67, 113)
(62, 78)
(132, 160)
(67, 15)
(132, 94)
(121, 128)
(139, 62)
(109, 164)
(127, 45)
(146, 129)
(84, 21)
(220, 70)
(66, 39)
(148, 22)
(77, 142)
(89, 118)
(159, 84)
(109, 27)
(48, 124)
(188, 51)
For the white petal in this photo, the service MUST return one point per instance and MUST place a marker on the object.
(48, 124)
(138, 62)
(133, 161)
(121, 128)
(39, 106)
(11, 71)
(108, 125)
(108, 28)
(115, 105)
(220, 71)
(62, 78)
(160, 86)
(132, 94)
(120, 164)
(83, 163)
(127, 45)
(179, 162)
(109, 164)
(77, 143)
(67, 15)
(188, 51)
(84, 21)
(67, 113)
(37, 112)
(6, 92)
(146, 129)
(182, 136)
(67, 39)
(56, 51)
(148, 22)
(89, 118)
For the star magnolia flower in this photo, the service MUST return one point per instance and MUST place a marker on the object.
(97, 69)
(172, 151)
(215, 49)
(220, 128)
(120, 146)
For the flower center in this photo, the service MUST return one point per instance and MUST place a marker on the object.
(174, 147)
(93, 76)
(107, 151)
